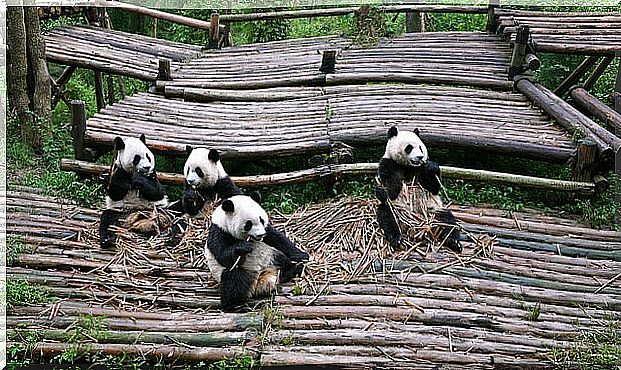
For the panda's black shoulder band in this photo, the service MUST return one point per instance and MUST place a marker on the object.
(119, 184)
(391, 176)
(223, 246)
(225, 188)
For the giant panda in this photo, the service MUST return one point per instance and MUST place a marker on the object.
(406, 162)
(246, 255)
(131, 186)
(205, 179)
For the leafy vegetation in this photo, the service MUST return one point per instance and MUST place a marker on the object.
(21, 293)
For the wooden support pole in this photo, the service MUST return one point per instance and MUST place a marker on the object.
(597, 72)
(154, 27)
(110, 89)
(214, 32)
(570, 118)
(617, 94)
(99, 94)
(532, 62)
(354, 169)
(600, 110)
(59, 85)
(491, 16)
(586, 156)
(414, 22)
(78, 128)
(163, 72)
(328, 61)
(574, 76)
(519, 52)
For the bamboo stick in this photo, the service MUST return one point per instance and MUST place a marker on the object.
(355, 169)
(596, 107)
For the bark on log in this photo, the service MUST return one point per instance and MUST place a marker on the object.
(41, 96)
(597, 72)
(174, 18)
(600, 110)
(19, 101)
(356, 169)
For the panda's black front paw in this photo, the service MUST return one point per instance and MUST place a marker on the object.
(381, 194)
(395, 240)
(243, 249)
(107, 240)
(299, 256)
(138, 180)
(454, 245)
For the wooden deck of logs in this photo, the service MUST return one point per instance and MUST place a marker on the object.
(458, 58)
(565, 32)
(114, 52)
(273, 123)
(473, 310)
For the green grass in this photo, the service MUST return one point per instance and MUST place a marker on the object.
(22, 293)
(595, 348)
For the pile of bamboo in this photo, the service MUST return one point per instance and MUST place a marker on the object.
(114, 52)
(457, 58)
(353, 305)
(572, 32)
(273, 123)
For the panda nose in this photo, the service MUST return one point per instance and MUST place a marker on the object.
(419, 158)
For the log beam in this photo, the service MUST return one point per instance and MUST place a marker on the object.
(99, 93)
(583, 188)
(164, 73)
(214, 32)
(518, 59)
(586, 156)
(574, 76)
(78, 128)
(492, 23)
(595, 107)
(597, 72)
(414, 22)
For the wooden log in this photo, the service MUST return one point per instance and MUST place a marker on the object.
(99, 93)
(157, 353)
(518, 57)
(78, 128)
(492, 24)
(414, 22)
(532, 61)
(617, 93)
(567, 116)
(164, 73)
(263, 95)
(586, 157)
(587, 49)
(595, 107)
(574, 76)
(328, 61)
(356, 169)
(214, 32)
(597, 72)
(174, 18)
(110, 89)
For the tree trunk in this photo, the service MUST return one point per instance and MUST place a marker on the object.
(17, 72)
(41, 95)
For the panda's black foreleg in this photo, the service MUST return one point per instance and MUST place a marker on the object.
(236, 287)
(278, 240)
(388, 224)
(288, 269)
(225, 249)
(107, 237)
(450, 230)
(149, 187)
(192, 201)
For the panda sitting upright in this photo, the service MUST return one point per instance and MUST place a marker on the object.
(205, 178)
(246, 255)
(131, 186)
(406, 162)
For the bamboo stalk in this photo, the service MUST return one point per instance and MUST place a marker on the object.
(355, 169)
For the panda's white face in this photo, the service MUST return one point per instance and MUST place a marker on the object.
(241, 217)
(406, 148)
(134, 156)
(202, 169)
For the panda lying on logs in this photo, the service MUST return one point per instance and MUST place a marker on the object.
(246, 255)
(133, 191)
(406, 162)
(205, 179)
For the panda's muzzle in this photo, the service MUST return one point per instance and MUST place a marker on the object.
(256, 238)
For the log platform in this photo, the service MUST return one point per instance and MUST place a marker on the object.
(565, 32)
(458, 58)
(491, 121)
(541, 283)
(114, 52)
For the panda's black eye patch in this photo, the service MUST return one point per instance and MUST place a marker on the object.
(136, 160)
(408, 149)
(199, 172)
(248, 225)
(262, 220)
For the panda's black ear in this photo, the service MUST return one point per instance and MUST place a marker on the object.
(256, 196)
(118, 143)
(143, 138)
(228, 206)
(417, 132)
(188, 149)
(392, 132)
(213, 155)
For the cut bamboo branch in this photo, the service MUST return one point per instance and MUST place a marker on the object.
(356, 169)
(595, 107)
